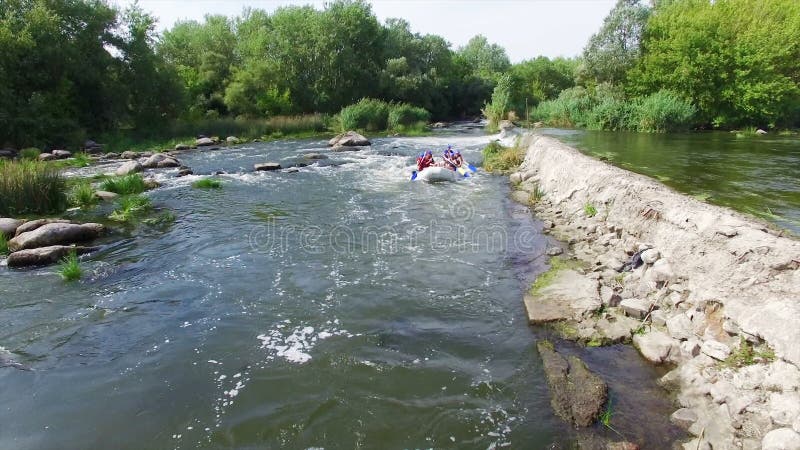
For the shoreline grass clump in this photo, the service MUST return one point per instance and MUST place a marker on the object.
(82, 195)
(498, 158)
(126, 185)
(131, 207)
(3, 244)
(30, 153)
(70, 267)
(556, 265)
(207, 183)
(31, 187)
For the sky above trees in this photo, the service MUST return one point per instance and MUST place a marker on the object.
(525, 28)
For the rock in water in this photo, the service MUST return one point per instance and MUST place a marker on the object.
(128, 168)
(47, 157)
(44, 255)
(267, 166)
(34, 224)
(349, 139)
(8, 227)
(576, 394)
(160, 160)
(55, 234)
(570, 296)
(61, 154)
(204, 142)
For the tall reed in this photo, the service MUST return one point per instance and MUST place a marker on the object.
(31, 187)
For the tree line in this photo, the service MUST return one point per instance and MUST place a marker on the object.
(75, 69)
(675, 64)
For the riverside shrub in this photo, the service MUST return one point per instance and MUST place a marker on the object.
(376, 115)
(31, 187)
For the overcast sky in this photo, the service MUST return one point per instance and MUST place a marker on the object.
(525, 28)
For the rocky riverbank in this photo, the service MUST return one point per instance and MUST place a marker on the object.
(700, 288)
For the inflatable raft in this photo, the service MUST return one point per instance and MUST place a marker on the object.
(437, 174)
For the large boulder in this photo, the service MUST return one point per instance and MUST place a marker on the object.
(34, 224)
(8, 153)
(267, 166)
(92, 147)
(8, 227)
(232, 140)
(570, 296)
(204, 142)
(128, 168)
(160, 160)
(349, 139)
(55, 234)
(44, 255)
(47, 157)
(61, 154)
(576, 394)
(131, 155)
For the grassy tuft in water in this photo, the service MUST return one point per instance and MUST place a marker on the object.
(31, 187)
(130, 208)
(498, 158)
(70, 267)
(207, 183)
(125, 185)
(163, 220)
(82, 195)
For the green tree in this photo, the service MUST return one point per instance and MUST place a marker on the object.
(540, 79)
(488, 61)
(736, 60)
(613, 50)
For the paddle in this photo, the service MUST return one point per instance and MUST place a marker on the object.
(413, 175)
(460, 171)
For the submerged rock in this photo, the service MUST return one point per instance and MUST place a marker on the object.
(44, 255)
(576, 394)
(349, 139)
(267, 166)
(54, 234)
(315, 156)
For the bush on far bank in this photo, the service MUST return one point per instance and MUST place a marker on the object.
(376, 115)
(607, 109)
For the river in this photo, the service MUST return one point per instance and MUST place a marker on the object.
(758, 175)
(338, 307)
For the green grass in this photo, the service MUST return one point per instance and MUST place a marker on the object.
(207, 183)
(184, 131)
(3, 244)
(125, 185)
(537, 195)
(130, 208)
(497, 158)
(78, 160)
(747, 355)
(31, 187)
(82, 195)
(30, 153)
(556, 265)
(589, 210)
(70, 267)
(605, 418)
(163, 220)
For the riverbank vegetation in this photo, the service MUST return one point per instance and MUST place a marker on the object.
(31, 187)
(299, 70)
(70, 267)
(686, 63)
(499, 158)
